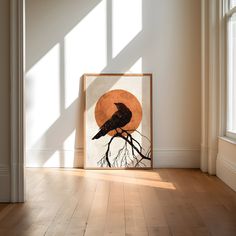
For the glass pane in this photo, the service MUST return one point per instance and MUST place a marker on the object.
(232, 3)
(232, 75)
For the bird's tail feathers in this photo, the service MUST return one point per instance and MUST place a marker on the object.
(99, 134)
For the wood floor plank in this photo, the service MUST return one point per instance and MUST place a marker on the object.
(115, 219)
(97, 216)
(134, 214)
(79, 219)
(165, 202)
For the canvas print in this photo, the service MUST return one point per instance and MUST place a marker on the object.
(118, 121)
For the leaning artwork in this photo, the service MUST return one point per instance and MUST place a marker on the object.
(118, 121)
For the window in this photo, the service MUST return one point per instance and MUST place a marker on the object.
(231, 71)
(232, 3)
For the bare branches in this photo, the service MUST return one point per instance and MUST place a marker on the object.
(131, 154)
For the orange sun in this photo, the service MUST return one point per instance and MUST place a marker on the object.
(105, 108)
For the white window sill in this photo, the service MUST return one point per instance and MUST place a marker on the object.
(229, 140)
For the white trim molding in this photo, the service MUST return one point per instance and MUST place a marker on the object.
(176, 158)
(217, 154)
(226, 159)
(204, 84)
(162, 158)
(213, 82)
(17, 101)
(213, 111)
(55, 158)
(226, 162)
(226, 171)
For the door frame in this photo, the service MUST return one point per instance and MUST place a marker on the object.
(17, 72)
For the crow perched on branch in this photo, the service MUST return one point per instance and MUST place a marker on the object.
(118, 120)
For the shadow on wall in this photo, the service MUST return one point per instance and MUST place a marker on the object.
(64, 40)
(51, 47)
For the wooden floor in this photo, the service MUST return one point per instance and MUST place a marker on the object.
(161, 202)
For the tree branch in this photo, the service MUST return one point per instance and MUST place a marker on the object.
(123, 156)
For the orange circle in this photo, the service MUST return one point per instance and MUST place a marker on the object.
(105, 108)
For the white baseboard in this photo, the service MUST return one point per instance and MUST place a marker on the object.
(176, 158)
(226, 171)
(204, 158)
(162, 158)
(4, 183)
(54, 158)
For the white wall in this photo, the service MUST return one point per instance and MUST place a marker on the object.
(226, 162)
(4, 101)
(65, 39)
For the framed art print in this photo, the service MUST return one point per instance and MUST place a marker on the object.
(118, 121)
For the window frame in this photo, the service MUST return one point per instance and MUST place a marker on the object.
(229, 12)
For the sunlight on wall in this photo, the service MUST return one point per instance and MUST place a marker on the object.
(60, 158)
(85, 50)
(53, 161)
(70, 38)
(42, 95)
(69, 153)
(137, 67)
(126, 22)
(65, 156)
(70, 141)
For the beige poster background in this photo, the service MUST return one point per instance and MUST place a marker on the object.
(96, 86)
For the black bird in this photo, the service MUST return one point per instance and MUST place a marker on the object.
(118, 120)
